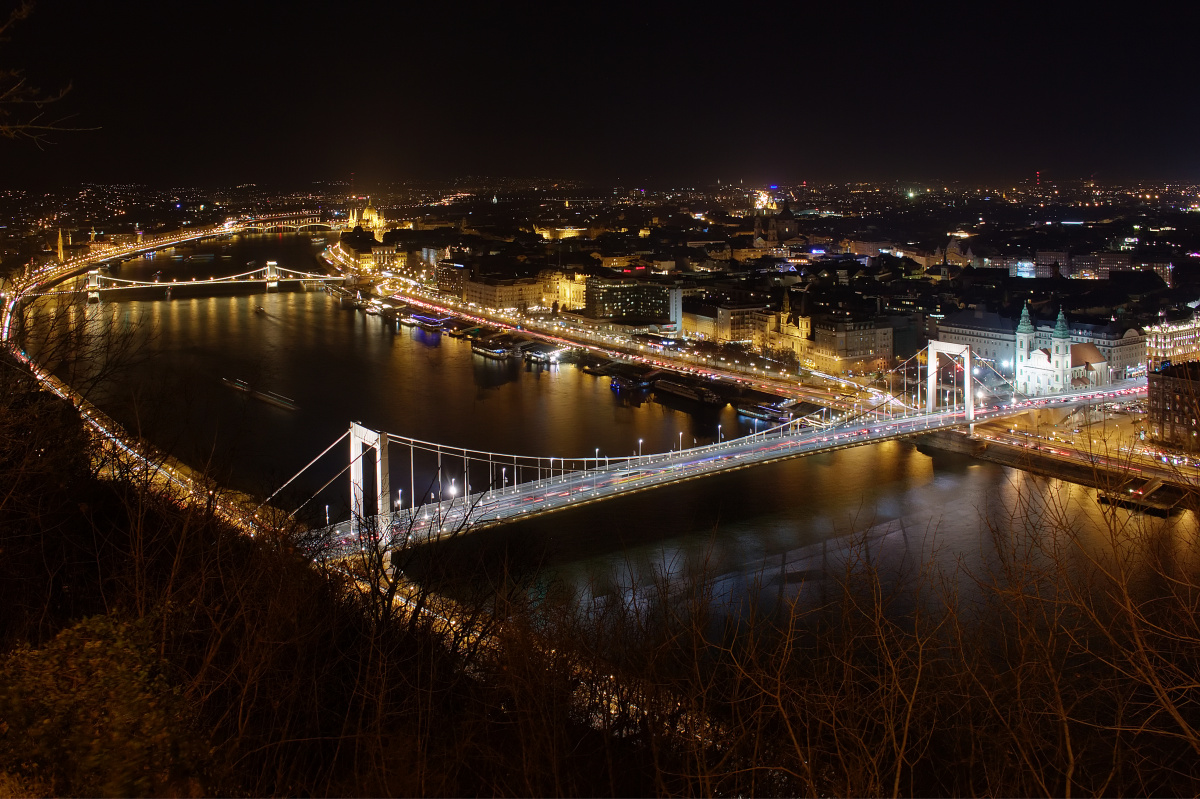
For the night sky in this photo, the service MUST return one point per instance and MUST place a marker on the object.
(212, 93)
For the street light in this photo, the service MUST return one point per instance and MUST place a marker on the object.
(639, 448)
(718, 434)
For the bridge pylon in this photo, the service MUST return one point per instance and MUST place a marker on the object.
(93, 285)
(272, 274)
(954, 351)
(362, 439)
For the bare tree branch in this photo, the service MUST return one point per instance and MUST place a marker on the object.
(23, 106)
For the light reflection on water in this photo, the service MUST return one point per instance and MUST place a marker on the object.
(769, 525)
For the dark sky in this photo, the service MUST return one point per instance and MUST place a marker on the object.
(208, 93)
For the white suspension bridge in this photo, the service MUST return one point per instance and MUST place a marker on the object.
(427, 490)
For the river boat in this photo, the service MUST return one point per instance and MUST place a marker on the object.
(428, 325)
(490, 350)
(696, 393)
(763, 412)
(599, 371)
(271, 398)
(240, 385)
(372, 310)
(408, 321)
(261, 311)
(1136, 502)
(622, 383)
(202, 256)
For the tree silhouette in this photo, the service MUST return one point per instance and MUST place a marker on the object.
(23, 106)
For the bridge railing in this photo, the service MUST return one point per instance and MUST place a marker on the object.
(479, 504)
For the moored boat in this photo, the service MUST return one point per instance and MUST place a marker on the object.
(764, 412)
(697, 393)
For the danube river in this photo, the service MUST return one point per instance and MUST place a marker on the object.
(769, 522)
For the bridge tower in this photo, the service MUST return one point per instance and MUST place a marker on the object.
(362, 439)
(954, 351)
(272, 274)
(93, 286)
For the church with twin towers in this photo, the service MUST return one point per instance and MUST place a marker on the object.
(1044, 358)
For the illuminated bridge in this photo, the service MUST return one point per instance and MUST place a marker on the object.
(271, 274)
(286, 222)
(423, 490)
(40, 281)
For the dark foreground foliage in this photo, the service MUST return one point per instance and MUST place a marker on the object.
(151, 650)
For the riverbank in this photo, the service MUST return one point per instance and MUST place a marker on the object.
(1174, 492)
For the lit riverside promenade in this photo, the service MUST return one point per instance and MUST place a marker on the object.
(161, 473)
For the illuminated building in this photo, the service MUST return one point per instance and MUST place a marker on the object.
(843, 344)
(568, 289)
(368, 219)
(745, 323)
(504, 293)
(1059, 367)
(1173, 341)
(1049, 263)
(628, 298)
(558, 232)
(780, 227)
(1172, 405)
(993, 338)
(452, 279)
(1100, 265)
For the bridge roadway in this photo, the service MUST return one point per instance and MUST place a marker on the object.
(640, 473)
(20, 286)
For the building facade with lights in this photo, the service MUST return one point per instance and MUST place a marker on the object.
(1059, 367)
(568, 289)
(1173, 405)
(626, 298)
(828, 343)
(1173, 341)
(504, 294)
(993, 338)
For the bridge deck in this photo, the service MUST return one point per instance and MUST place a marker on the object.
(527, 500)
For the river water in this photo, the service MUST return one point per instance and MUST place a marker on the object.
(771, 524)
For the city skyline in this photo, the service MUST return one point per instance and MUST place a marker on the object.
(619, 95)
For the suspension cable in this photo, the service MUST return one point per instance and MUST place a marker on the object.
(297, 474)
